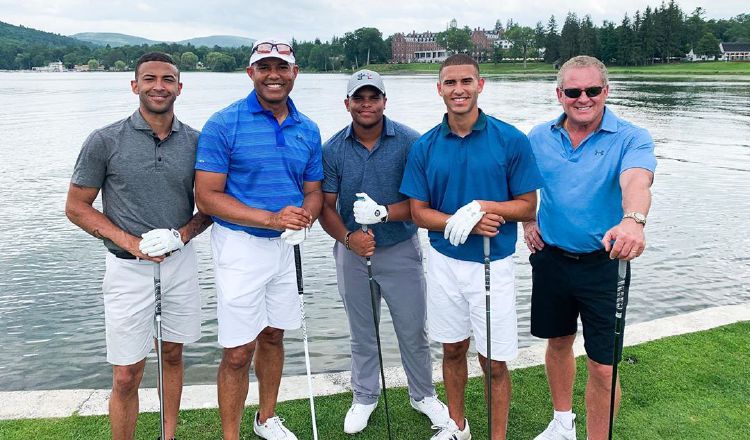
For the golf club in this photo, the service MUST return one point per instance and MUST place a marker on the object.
(374, 288)
(300, 290)
(622, 270)
(159, 362)
(486, 243)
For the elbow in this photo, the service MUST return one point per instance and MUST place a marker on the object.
(418, 220)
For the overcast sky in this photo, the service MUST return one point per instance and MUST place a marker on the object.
(172, 20)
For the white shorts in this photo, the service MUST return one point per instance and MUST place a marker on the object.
(129, 302)
(456, 303)
(256, 285)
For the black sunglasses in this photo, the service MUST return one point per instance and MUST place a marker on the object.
(590, 92)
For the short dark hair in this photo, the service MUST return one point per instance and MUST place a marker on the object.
(459, 59)
(155, 56)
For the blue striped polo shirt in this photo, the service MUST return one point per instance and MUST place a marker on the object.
(266, 163)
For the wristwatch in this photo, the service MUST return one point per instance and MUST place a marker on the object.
(637, 216)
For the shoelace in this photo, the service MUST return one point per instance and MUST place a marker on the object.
(275, 424)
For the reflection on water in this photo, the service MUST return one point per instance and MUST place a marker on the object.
(51, 316)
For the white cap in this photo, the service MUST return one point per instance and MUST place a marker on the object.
(255, 56)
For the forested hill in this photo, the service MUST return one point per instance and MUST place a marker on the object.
(23, 36)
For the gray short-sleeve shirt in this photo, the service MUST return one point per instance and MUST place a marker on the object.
(145, 183)
(349, 167)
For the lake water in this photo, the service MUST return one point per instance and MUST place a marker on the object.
(51, 313)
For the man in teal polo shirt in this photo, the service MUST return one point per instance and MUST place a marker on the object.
(259, 168)
(597, 171)
(472, 176)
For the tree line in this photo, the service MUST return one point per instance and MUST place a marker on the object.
(659, 34)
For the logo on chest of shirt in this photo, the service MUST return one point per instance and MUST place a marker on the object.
(598, 152)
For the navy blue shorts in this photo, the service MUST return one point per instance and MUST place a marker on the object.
(566, 285)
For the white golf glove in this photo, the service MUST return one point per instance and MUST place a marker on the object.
(158, 242)
(368, 212)
(293, 237)
(460, 224)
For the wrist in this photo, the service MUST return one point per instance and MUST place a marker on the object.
(346, 240)
(387, 213)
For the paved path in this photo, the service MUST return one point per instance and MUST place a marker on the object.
(63, 403)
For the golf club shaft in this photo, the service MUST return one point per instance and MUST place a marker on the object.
(486, 246)
(159, 361)
(373, 299)
(300, 290)
(622, 270)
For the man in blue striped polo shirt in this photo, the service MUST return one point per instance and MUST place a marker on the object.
(259, 168)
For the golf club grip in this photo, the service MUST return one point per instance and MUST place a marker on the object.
(298, 267)
(622, 271)
(157, 290)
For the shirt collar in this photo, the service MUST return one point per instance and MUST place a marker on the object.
(608, 123)
(140, 124)
(254, 106)
(388, 129)
(479, 125)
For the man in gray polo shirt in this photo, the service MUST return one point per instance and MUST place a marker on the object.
(363, 166)
(143, 166)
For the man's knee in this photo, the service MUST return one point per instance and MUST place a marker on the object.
(600, 374)
(127, 378)
(172, 353)
(561, 345)
(499, 370)
(271, 336)
(455, 351)
(237, 358)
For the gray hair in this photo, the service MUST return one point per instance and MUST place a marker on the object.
(582, 61)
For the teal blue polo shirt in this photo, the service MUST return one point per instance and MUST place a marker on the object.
(581, 198)
(493, 162)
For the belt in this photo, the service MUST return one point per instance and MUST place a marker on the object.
(590, 256)
(125, 255)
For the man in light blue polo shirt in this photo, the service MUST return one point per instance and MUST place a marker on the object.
(597, 171)
(367, 159)
(259, 168)
(472, 176)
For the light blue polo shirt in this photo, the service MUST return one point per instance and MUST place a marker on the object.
(266, 163)
(493, 162)
(349, 168)
(581, 198)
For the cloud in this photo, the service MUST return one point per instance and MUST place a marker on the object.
(308, 19)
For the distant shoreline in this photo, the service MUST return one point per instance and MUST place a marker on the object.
(741, 68)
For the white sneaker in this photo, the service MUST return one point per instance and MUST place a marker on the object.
(556, 431)
(433, 408)
(357, 417)
(273, 429)
(450, 431)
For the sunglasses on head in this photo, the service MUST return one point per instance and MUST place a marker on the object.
(590, 92)
(281, 48)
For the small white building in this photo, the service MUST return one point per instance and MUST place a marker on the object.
(56, 66)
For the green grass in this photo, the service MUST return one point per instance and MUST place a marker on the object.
(702, 68)
(690, 387)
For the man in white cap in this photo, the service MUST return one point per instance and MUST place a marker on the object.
(258, 173)
(363, 166)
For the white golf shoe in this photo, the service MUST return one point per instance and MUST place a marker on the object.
(273, 429)
(433, 408)
(357, 417)
(450, 431)
(556, 431)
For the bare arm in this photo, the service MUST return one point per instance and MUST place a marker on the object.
(197, 224)
(313, 201)
(361, 243)
(426, 217)
(628, 236)
(212, 200)
(399, 212)
(80, 210)
(521, 209)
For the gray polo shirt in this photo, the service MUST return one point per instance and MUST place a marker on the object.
(145, 183)
(349, 167)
